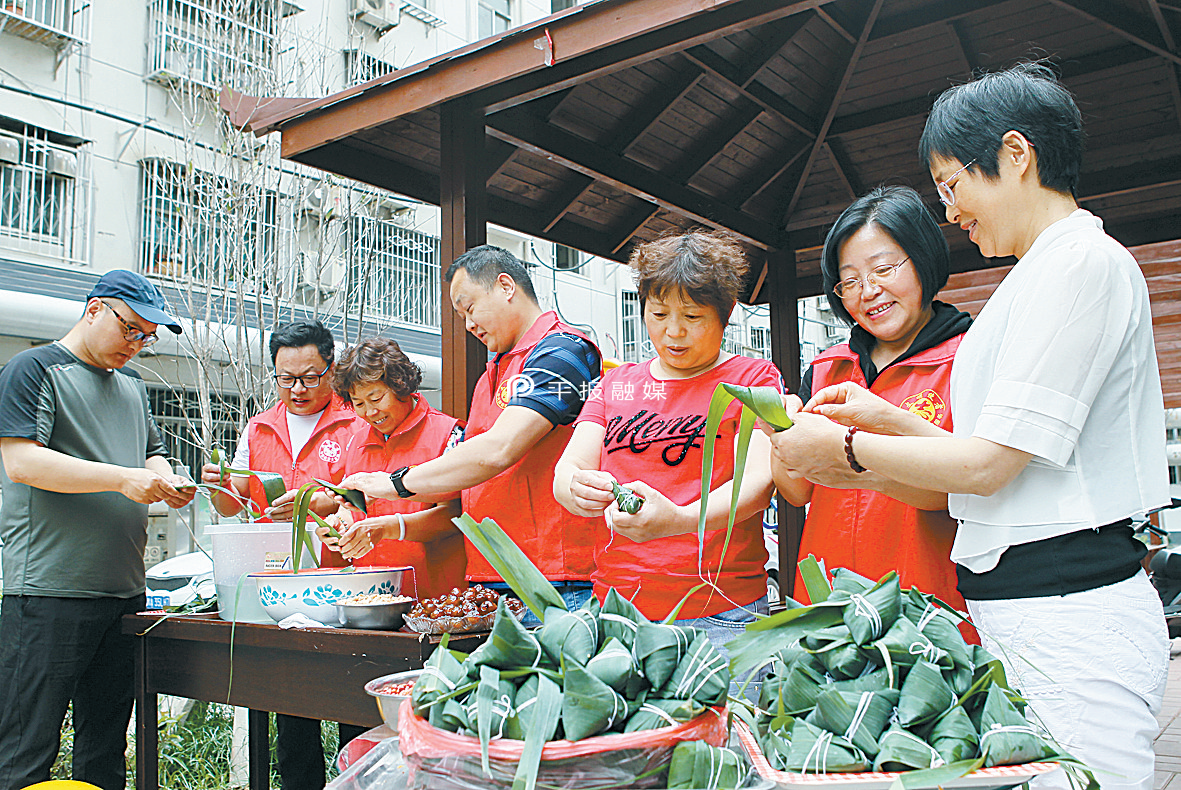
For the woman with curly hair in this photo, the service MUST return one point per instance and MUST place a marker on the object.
(397, 428)
(643, 427)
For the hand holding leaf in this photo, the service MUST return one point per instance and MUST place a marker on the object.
(658, 518)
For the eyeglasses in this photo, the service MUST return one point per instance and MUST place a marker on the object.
(879, 275)
(310, 381)
(946, 195)
(131, 333)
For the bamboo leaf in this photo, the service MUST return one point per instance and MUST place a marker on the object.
(486, 694)
(547, 711)
(814, 582)
(766, 402)
(931, 778)
(518, 572)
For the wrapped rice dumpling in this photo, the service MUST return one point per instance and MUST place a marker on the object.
(817, 751)
(589, 706)
(902, 750)
(702, 675)
(453, 717)
(1006, 738)
(509, 646)
(619, 618)
(843, 660)
(925, 695)
(441, 674)
(491, 706)
(858, 718)
(524, 706)
(904, 643)
(869, 615)
(850, 581)
(954, 737)
(799, 690)
(574, 634)
(614, 665)
(696, 764)
(872, 680)
(652, 714)
(659, 647)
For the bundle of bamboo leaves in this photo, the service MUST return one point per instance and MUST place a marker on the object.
(597, 670)
(871, 677)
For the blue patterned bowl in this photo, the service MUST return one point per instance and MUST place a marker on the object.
(314, 592)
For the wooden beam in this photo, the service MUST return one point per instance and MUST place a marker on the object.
(921, 105)
(834, 104)
(720, 21)
(595, 41)
(571, 234)
(566, 200)
(653, 108)
(755, 187)
(711, 62)
(844, 167)
(835, 25)
(464, 225)
(742, 114)
(968, 61)
(935, 13)
(364, 165)
(633, 226)
(1166, 33)
(499, 155)
(582, 156)
(785, 353)
(1123, 23)
(778, 34)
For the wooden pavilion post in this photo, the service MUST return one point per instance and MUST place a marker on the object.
(463, 220)
(785, 353)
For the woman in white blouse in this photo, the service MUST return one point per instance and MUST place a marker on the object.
(1059, 428)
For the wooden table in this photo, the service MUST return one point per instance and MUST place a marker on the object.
(317, 673)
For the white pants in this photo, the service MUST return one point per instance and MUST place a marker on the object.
(1093, 666)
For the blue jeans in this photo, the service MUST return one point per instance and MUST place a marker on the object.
(724, 627)
(575, 594)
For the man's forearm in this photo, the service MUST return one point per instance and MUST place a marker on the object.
(30, 463)
(470, 463)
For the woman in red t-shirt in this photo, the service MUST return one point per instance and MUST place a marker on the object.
(643, 427)
(398, 428)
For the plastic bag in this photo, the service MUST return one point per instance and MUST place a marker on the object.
(445, 760)
(381, 768)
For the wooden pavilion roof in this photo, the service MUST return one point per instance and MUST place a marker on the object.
(616, 121)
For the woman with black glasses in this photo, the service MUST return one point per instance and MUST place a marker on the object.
(883, 262)
(1059, 437)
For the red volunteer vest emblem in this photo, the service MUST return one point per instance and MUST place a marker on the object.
(928, 405)
(329, 451)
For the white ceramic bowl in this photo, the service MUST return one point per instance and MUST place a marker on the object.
(314, 592)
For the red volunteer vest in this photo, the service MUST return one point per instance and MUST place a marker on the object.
(521, 498)
(421, 437)
(322, 456)
(868, 532)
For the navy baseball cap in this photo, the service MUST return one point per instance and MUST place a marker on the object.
(139, 294)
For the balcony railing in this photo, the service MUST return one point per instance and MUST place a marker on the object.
(396, 272)
(204, 44)
(44, 197)
(56, 23)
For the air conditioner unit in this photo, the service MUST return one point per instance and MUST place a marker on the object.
(325, 274)
(388, 208)
(319, 202)
(62, 163)
(380, 14)
(10, 150)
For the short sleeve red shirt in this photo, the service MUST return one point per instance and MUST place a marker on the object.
(654, 433)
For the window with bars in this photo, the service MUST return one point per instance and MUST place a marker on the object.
(636, 346)
(211, 43)
(493, 16)
(395, 271)
(178, 415)
(57, 23)
(360, 67)
(205, 227)
(760, 341)
(44, 194)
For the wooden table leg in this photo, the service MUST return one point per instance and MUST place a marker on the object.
(258, 727)
(147, 767)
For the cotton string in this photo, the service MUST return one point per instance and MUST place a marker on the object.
(864, 608)
(859, 715)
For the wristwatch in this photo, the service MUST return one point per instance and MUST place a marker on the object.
(396, 479)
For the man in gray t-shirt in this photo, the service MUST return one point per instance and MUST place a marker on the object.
(82, 460)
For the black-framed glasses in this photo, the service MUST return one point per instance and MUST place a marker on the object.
(309, 381)
(946, 194)
(131, 333)
(879, 275)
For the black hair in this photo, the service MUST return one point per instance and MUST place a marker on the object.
(905, 218)
(298, 334)
(376, 359)
(968, 121)
(485, 263)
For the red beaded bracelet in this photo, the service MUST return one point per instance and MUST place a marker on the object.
(856, 467)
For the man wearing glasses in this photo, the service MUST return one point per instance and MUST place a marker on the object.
(82, 460)
(301, 437)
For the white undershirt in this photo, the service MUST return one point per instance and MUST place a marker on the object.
(299, 427)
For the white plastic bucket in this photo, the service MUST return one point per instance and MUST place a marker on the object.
(239, 549)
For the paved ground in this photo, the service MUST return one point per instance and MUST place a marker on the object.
(1168, 743)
